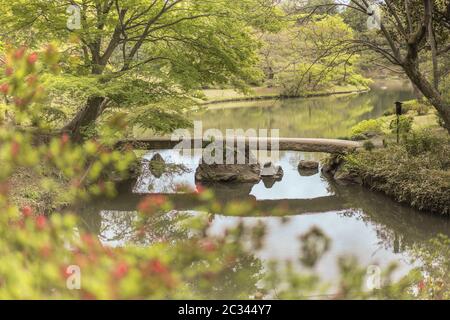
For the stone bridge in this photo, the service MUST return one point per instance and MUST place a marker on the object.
(284, 144)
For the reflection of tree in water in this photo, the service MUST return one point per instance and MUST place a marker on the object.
(163, 181)
(398, 227)
(238, 281)
(237, 277)
(295, 157)
(129, 227)
(327, 117)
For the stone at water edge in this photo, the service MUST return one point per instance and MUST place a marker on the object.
(307, 172)
(248, 172)
(308, 165)
(269, 170)
(157, 165)
(330, 167)
(308, 168)
(344, 177)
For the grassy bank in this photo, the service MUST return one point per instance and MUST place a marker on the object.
(35, 188)
(416, 171)
(213, 96)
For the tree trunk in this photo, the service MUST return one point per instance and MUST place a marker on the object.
(429, 92)
(417, 93)
(86, 116)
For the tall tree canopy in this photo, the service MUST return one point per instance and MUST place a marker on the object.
(413, 35)
(140, 53)
(311, 56)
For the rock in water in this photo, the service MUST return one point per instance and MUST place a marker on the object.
(157, 165)
(308, 168)
(248, 172)
(271, 174)
(331, 165)
(344, 177)
(308, 165)
(307, 172)
(270, 170)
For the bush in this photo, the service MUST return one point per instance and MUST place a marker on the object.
(42, 255)
(415, 173)
(422, 107)
(422, 141)
(404, 124)
(367, 128)
(368, 145)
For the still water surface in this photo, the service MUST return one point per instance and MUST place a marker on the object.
(360, 223)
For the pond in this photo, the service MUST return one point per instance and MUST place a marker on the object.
(321, 117)
(360, 223)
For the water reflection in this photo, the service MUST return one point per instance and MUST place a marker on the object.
(361, 223)
(324, 117)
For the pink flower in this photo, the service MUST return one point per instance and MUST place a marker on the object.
(157, 266)
(121, 270)
(32, 58)
(207, 245)
(65, 138)
(151, 203)
(9, 71)
(15, 148)
(4, 88)
(27, 211)
(421, 285)
(41, 222)
(199, 189)
(19, 53)
(88, 239)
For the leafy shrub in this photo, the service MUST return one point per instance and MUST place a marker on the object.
(422, 107)
(421, 180)
(404, 125)
(435, 260)
(366, 128)
(38, 252)
(368, 145)
(422, 141)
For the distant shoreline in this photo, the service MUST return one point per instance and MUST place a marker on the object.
(282, 97)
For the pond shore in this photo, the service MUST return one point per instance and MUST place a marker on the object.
(216, 96)
(414, 172)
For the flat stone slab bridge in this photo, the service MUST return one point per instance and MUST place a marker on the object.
(284, 144)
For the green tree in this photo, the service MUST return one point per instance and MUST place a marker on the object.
(136, 52)
(311, 56)
(412, 35)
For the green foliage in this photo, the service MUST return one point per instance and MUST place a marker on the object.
(38, 251)
(422, 107)
(424, 141)
(404, 125)
(367, 128)
(311, 57)
(435, 259)
(368, 145)
(416, 172)
(139, 55)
